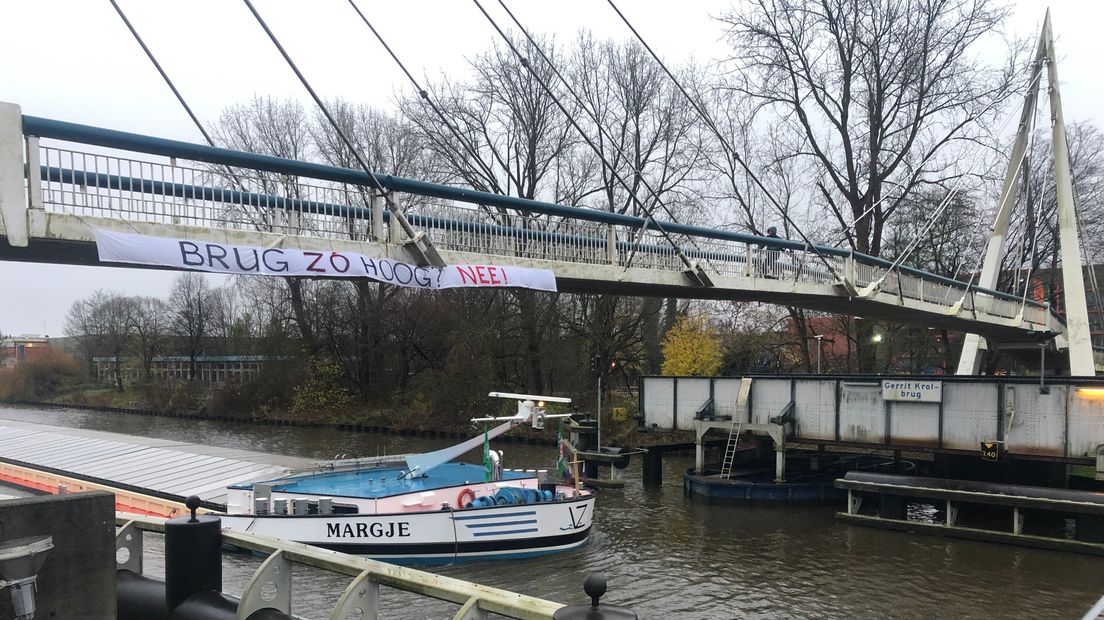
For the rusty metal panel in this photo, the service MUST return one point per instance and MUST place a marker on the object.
(1086, 421)
(659, 403)
(725, 391)
(914, 424)
(969, 414)
(815, 409)
(862, 412)
(1035, 423)
(692, 394)
(768, 398)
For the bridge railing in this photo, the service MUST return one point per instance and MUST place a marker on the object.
(163, 181)
(364, 596)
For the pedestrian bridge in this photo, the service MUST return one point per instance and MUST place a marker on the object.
(58, 180)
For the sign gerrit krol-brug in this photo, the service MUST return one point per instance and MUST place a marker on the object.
(909, 390)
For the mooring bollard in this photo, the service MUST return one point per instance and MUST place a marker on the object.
(653, 467)
(595, 587)
(193, 555)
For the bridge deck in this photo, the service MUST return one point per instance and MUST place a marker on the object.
(161, 187)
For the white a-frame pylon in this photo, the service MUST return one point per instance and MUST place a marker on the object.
(1073, 284)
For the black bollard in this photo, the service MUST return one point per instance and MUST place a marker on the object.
(653, 467)
(193, 558)
(595, 587)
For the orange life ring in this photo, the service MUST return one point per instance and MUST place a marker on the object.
(460, 499)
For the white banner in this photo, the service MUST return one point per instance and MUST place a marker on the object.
(114, 247)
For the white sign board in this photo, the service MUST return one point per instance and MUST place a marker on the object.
(911, 390)
(115, 247)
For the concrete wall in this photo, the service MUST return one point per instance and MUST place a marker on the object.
(1065, 421)
(78, 578)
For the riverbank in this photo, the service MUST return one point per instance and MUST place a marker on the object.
(208, 406)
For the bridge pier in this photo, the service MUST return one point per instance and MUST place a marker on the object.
(775, 432)
(13, 202)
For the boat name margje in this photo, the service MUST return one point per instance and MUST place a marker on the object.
(392, 529)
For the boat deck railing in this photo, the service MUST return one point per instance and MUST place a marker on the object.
(361, 599)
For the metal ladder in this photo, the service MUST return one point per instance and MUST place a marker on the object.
(730, 447)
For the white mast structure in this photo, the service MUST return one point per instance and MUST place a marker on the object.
(1077, 336)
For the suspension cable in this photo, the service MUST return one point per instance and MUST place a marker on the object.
(649, 220)
(432, 255)
(728, 147)
(1007, 195)
(606, 135)
(424, 94)
(164, 76)
(227, 171)
(1085, 246)
(871, 208)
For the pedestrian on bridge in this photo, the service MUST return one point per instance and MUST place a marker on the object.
(773, 252)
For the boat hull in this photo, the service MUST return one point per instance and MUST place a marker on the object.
(437, 536)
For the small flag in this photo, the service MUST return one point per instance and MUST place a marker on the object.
(560, 464)
(488, 468)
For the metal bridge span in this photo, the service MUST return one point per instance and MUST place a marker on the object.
(57, 180)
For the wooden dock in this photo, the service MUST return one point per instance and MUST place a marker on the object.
(1016, 514)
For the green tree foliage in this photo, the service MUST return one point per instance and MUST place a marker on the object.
(691, 347)
(321, 388)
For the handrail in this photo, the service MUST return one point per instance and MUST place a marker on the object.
(440, 587)
(74, 132)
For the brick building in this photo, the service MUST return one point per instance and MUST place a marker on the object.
(15, 349)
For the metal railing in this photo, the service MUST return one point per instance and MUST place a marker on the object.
(201, 186)
(361, 598)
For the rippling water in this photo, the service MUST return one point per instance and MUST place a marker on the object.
(665, 556)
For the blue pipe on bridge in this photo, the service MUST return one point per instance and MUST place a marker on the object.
(86, 134)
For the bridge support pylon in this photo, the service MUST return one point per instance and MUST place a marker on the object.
(13, 199)
(1073, 283)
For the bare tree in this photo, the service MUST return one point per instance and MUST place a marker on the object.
(149, 324)
(878, 93)
(102, 323)
(882, 97)
(1033, 232)
(514, 138)
(190, 314)
(279, 128)
(80, 324)
(391, 145)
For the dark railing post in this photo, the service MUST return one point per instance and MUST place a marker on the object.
(595, 587)
(193, 556)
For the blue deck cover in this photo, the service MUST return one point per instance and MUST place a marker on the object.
(384, 482)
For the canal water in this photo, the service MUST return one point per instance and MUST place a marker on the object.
(665, 556)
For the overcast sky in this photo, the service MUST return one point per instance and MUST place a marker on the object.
(74, 60)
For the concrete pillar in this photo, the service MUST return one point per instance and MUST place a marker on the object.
(376, 206)
(77, 579)
(699, 447)
(13, 199)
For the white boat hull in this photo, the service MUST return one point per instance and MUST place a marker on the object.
(437, 536)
